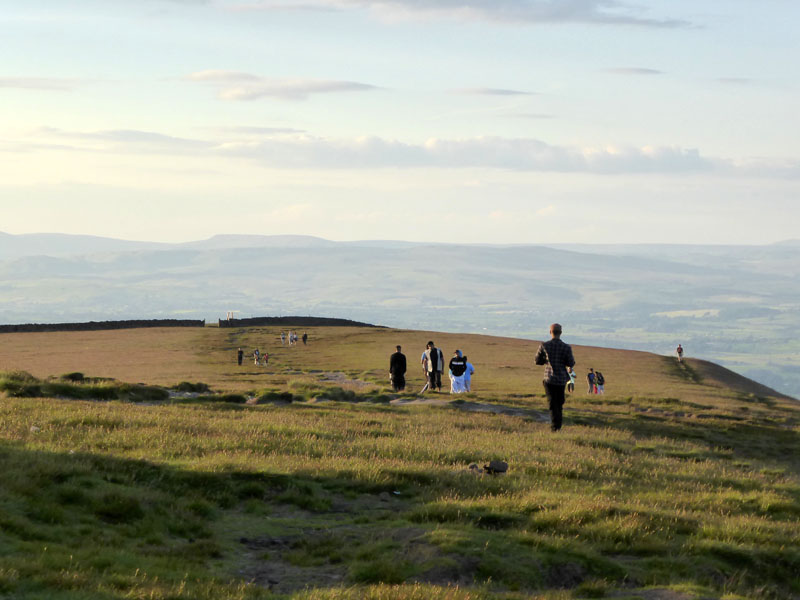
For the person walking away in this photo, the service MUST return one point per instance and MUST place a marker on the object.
(239, 356)
(283, 338)
(468, 376)
(590, 379)
(572, 377)
(433, 363)
(679, 352)
(440, 366)
(266, 358)
(256, 355)
(599, 382)
(397, 370)
(424, 362)
(457, 367)
(305, 338)
(556, 356)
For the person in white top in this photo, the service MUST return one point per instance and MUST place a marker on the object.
(457, 367)
(424, 361)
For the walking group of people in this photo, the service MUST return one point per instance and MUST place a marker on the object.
(554, 355)
(596, 382)
(292, 338)
(260, 358)
(459, 369)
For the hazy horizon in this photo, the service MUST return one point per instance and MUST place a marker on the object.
(563, 242)
(737, 305)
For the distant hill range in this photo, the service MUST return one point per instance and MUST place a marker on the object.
(736, 305)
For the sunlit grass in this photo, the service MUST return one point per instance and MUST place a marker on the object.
(675, 484)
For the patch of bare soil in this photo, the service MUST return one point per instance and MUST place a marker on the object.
(285, 564)
(265, 566)
(498, 409)
(342, 379)
(565, 575)
(656, 594)
(315, 553)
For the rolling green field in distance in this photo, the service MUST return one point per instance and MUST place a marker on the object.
(309, 479)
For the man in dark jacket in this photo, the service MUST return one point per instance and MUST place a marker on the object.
(458, 366)
(556, 356)
(397, 370)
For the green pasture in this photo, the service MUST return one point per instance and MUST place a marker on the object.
(149, 465)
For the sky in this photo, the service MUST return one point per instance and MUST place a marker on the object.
(474, 121)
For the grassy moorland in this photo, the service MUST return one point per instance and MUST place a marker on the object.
(308, 479)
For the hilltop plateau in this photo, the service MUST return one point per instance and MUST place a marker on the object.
(736, 305)
(145, 463)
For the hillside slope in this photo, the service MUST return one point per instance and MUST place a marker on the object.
(716, 300)
(309, 479)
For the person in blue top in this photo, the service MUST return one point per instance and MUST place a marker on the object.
(572, 376)
(468, 376)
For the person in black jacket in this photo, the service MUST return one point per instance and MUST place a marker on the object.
(458, 366)
(397, 370)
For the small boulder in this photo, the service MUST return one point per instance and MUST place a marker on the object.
(496, 467)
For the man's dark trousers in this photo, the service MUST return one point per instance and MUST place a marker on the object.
(555, 398)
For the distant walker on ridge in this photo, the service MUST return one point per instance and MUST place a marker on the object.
(556, 356)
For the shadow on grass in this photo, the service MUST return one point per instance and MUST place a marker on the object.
(76, 523)
(681, 370)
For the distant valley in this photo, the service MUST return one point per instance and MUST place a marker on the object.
(736, 305)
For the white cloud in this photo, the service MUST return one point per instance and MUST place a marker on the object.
(602, 12)
(287, 150)
(546, 211)
(257, 131)
(492, 92)
(220, 77)
(635, 71)
(234, 85)
(121, 140)
(735, 80)
(542, 116)
(521, 154)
